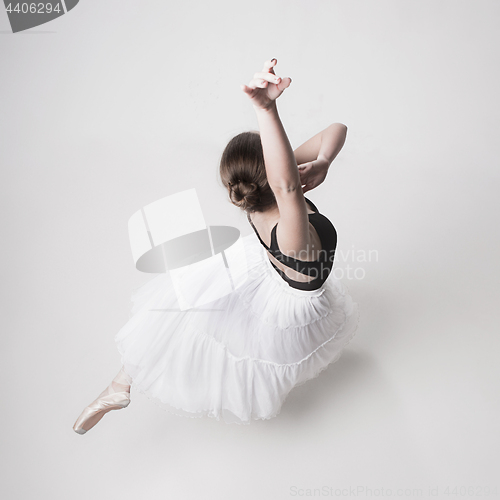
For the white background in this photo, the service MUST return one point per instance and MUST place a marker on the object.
(120, 103)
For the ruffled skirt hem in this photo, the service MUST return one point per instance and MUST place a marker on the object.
(224, 414)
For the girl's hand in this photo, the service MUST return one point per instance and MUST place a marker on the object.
(266, 87)
(313, 173)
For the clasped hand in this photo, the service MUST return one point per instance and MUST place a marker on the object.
(313, 173)
(266, 87)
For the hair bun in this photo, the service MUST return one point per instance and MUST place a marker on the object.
(244, 194)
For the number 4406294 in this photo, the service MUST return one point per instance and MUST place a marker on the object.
(34, 8)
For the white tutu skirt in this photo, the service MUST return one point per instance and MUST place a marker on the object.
(237, 357)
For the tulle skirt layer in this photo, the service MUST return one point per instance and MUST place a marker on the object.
(237, 357)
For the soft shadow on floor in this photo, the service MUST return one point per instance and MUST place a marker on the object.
(350, 373)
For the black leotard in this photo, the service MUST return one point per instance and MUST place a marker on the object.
(319, 268)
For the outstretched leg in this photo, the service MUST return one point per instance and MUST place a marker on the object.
(115, 397)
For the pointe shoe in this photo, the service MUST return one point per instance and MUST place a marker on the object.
(93, 413)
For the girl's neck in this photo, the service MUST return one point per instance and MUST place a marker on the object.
(270, 213)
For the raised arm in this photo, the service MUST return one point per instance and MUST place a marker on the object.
(324, 145)
(281, 166)
(293, 232)
(315, 156)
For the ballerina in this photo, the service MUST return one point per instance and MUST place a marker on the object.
(288, 321)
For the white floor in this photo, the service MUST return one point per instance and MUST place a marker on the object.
(99, 111)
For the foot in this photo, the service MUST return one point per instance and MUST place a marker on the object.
(115, 397)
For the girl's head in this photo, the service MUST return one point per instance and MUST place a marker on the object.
(243, 173)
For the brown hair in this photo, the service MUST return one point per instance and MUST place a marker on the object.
(243, 173)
